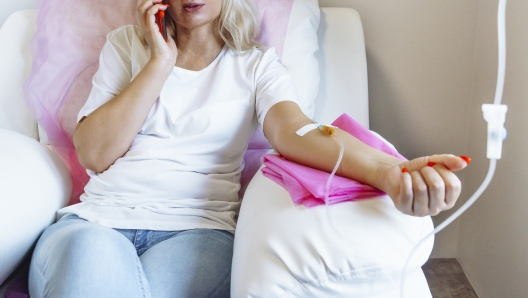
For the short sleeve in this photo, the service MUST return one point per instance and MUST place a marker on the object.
(273, 84)
(114, 72)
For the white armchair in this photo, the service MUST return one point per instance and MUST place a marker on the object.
(281, 250)
(34, 182)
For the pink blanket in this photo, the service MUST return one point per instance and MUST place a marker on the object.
(307, 186)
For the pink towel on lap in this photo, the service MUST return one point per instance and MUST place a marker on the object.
(307, 186)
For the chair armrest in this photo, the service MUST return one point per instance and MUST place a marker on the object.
(34, 184)
(283, 250)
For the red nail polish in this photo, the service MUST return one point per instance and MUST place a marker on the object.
(404, 170)
(431, 164)
(466, 158)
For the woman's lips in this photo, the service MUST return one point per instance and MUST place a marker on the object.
(192, 7)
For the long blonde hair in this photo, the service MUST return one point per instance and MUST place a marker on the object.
(238, 25)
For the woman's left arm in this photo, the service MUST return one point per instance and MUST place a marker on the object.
(428, 188)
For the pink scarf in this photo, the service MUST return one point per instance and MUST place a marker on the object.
(66, 48)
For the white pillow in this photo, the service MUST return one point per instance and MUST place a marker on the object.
(282, 250)
(34, 184)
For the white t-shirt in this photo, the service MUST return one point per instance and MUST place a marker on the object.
(183, 168)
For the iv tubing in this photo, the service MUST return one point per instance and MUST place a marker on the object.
(450, 219)
(501, 22)
(502, 52)
(329, 217)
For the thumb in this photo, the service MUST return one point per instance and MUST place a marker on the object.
(451, 162)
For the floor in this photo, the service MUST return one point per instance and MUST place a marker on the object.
(446, 279)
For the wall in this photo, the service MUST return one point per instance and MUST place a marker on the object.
(10, 6)
(420, 61)
(493, 241)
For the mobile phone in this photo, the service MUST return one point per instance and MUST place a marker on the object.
(160, 18)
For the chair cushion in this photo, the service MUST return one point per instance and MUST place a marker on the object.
(34, 184)
(283, 250)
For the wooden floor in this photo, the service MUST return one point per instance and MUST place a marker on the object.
(446, 279)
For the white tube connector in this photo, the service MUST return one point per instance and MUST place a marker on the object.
(495, 115)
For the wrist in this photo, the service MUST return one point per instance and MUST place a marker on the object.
(388, 177)
(381, 171)
(160, 66)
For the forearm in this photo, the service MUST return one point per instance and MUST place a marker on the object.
(319, 150)
(107, 133)
(427, 187)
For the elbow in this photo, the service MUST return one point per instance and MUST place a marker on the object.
(90, 162)
(89, 159)
(89, 156)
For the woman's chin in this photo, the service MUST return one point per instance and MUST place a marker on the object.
(194, 22)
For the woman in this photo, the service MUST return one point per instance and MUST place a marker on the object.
(162, 135)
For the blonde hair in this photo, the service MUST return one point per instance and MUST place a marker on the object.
(237, 24)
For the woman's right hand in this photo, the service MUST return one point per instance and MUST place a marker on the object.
(160, 51)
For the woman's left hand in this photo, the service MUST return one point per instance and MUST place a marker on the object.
(426, 185)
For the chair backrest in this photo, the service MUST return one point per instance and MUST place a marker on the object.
(15, 66)
(343, 67)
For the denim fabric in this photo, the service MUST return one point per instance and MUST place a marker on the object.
(76, 258)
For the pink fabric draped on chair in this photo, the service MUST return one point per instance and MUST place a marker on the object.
(66, 48)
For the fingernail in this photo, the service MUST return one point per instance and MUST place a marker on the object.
(466, 158)
(431, 164)
(404, 170)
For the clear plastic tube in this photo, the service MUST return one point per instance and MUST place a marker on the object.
(449, 220)
(329, 216)
(501, 24)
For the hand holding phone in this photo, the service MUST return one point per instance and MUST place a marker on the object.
(160, 18)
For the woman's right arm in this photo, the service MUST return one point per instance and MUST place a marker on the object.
(107, 133)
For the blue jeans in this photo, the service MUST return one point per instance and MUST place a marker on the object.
(76, 258)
